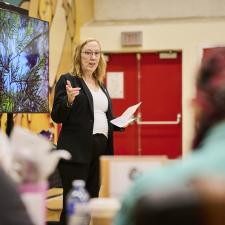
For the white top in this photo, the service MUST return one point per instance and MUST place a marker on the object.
(100, 103)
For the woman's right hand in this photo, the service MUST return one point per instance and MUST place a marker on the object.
(71, 92)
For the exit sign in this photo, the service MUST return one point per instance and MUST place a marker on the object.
(131, 38)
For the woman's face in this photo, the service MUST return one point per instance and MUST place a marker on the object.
(90, 56)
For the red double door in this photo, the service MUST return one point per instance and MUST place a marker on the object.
(156, 81)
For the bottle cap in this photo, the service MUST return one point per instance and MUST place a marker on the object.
(78, 183)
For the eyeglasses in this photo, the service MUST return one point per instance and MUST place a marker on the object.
(90, 53)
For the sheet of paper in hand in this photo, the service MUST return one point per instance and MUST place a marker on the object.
(126, 117)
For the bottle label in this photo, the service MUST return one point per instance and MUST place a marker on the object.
(78, 213)
(70, 208)
(73, 207)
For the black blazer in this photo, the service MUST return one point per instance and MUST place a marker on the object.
(78, 120)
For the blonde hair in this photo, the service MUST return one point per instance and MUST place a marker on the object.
(99, 73)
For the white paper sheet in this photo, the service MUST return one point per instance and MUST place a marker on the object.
(126, 117)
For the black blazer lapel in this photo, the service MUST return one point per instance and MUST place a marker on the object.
(109, 100)
(89, 96)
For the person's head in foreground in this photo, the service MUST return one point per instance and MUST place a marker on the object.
(200, 202)
(209, 102)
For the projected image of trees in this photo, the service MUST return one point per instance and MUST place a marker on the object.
(23, 63)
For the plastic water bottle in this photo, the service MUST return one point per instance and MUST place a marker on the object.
(77, 204)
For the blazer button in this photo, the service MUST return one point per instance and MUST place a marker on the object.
(91, 121)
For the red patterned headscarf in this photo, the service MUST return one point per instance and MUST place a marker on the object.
(210, 92)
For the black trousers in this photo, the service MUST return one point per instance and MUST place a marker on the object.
(90, 172)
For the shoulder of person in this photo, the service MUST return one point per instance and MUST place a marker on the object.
(69, 76)
(74, 80)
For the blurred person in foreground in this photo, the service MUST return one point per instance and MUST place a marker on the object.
(12, 209)
(208, 157)
(83, 105)
(200, 202)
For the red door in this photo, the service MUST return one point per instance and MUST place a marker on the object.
(160, 91)
(156, 83)
(125, 143)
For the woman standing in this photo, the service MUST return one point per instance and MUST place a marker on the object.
(83, 106)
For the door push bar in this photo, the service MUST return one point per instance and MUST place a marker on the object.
(158, 122)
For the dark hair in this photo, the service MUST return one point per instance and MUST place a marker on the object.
(210, 94)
